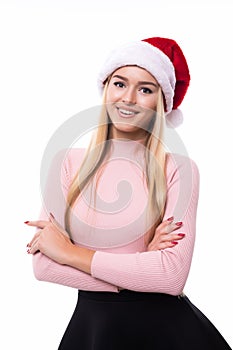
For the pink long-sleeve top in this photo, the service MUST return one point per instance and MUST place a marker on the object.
(114, 224)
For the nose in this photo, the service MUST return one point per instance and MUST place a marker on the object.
(129, 96)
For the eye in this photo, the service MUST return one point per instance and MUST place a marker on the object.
(146, 90)
(119, 84)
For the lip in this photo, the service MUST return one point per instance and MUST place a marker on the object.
(126, 112)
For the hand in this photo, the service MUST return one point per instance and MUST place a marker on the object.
(51, 240)
(163, 237)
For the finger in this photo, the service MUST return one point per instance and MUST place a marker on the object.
(170, 219)
(174, 226)
(38, 223)
(34, 249)
(57, 225)
(35, 237)
(162, 245)
(172, 237)
(164, 227)
(165, 223)
(170, 244)
(53, 220)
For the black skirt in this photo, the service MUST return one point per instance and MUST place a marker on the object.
(142, 321)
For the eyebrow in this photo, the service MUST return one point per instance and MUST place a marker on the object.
(139, 83)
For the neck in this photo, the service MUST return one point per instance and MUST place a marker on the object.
(123, 136)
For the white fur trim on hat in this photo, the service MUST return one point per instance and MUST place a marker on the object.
(146, 56)
(174, 118)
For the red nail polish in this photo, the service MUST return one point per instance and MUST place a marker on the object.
(26, 222)
(171, 218)
(28, 251)
(179, 223)
(181, 234)
(173, 242)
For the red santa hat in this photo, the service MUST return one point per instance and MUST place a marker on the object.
(164, 59)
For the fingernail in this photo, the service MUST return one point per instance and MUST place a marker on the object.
(179, 223)
(26, 222)
(28, 251)
(173, 242)
(171, 218)
(181, 234)
(28, 245)
(52, 215)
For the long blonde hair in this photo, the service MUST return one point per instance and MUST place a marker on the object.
(155, 158)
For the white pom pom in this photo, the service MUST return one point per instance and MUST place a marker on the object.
(174, 118)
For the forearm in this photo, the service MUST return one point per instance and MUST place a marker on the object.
(45, 269)
(163, 271)
(79, 258)
(155, 272)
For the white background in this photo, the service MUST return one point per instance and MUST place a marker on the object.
(50, 55)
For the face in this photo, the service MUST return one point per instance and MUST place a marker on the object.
(131, 98)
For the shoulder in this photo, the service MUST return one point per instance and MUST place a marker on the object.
(73, 156)
(71, 160)
(175, 160)
(180, 166)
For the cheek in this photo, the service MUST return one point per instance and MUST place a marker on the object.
(153, 103)
(112, 95)
(150, 103)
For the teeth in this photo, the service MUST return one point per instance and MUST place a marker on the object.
(126, 112)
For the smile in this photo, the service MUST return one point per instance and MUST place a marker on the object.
(126, 113)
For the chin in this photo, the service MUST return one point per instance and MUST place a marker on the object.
(125, 128)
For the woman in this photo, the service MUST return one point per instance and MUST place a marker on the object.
(129, 254)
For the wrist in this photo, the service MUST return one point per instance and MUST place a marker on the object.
(79, 258)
